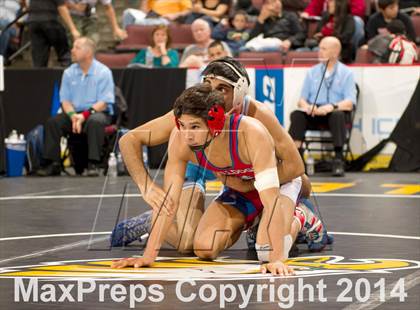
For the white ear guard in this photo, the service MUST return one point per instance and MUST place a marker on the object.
(240, 87)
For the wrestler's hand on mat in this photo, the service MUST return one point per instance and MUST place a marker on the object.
(277, 268)
(236, 183)
(135, 262)
(156, 197)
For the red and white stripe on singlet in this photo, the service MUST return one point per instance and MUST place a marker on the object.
(238, 168)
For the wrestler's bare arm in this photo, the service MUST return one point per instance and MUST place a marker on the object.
(178, 156)
(291, 165)
(154, 132)
(262, 156)
(163, 217)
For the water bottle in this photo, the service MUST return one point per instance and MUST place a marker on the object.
(120, 165)
(13, 136)
(310, 165)
(146, 157)
(112, 166)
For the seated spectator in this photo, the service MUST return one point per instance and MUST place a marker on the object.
(216, 50)
(317, 7)
(339, 23)
(8, 13)
(196, 55)
(46, 31)
(335, 100)
(357, 10)
(393, 47)
(233, 31)
(211, 11)
(158, 54)
(275, 29)
(84, 16)
(157, 12)
(87, 98)
(388, 11)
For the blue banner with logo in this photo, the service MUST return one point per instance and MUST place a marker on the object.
(269, 90)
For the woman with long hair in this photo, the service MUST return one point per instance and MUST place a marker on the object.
(338, 22)
(158, 54)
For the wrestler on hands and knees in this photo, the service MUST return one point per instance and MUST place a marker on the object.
(210, 139)
(230, 78)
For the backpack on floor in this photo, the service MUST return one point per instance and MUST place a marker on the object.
(34, 147)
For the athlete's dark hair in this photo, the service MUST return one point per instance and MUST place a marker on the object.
(219, 67)
(198, 100)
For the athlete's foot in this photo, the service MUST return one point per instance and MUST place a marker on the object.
(311, 226)
(131, 229)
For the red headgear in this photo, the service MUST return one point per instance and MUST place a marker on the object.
(215, 119)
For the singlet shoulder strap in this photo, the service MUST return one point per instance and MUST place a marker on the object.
(234, 142)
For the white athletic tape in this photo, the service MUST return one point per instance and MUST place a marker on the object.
(287, 245)
(263, 250)
(266, 179)
(292, 189)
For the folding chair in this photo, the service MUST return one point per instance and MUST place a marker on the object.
(77, 143)
(319, 139)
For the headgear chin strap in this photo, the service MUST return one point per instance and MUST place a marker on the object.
(240, 87)
(196, 148)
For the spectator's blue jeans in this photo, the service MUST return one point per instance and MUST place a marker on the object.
(5, 36)
(359, 31)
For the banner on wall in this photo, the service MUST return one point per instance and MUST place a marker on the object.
(269, 90)
(384, 94)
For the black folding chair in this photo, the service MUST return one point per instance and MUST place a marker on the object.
(319, 139)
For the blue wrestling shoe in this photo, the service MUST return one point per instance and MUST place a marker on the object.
(319, 245)
(131, 229)
(312, 228)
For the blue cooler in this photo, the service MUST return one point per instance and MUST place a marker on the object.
(15, 157)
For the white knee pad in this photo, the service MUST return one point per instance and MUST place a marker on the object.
(292, 189)
(263, 250)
